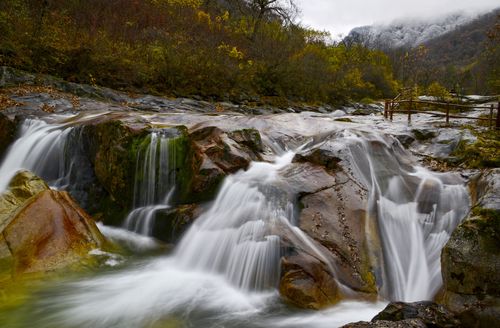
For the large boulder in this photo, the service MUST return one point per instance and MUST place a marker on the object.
(43, 229)
(470, 260)
(22, 187)
(218, 153)
(333, 213)
(307, 283)
(112, 147)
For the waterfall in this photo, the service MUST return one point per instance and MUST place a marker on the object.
(154, 181)
(235, 237)
(40, 149)
(226, 267)
(416, 211)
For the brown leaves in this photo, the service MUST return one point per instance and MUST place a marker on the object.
(47, 108)
(7, 102)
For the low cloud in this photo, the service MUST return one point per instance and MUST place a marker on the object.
(340, 16)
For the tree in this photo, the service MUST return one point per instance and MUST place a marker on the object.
(260, 10)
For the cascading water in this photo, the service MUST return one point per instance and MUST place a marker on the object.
(40, 148)
(235, 236)
(226, 267)
(154, 181)
(55, 153)
(416, 210)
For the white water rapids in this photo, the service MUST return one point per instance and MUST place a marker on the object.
(416, 211)
(225, 270)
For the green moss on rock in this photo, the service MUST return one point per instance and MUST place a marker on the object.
(471, 258)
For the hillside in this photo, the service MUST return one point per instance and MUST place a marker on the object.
(245, 51)
(459, 51)
(463, 45)
(408, 32)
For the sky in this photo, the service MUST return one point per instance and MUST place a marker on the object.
(340, 16)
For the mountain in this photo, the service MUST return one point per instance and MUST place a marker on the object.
(409, 33)
(458, 51)
(463, 45)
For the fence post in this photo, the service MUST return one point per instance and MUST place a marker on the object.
(490, 120)
(447, 113)
(409, 110)
(391, 112)
(386, 107)
(498, 116)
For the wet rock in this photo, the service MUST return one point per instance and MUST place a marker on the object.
(112, 149)
(50, 232)
(336, 218)
(405, 139)
(12, 77)
(408, 323)
(441, 143)
(470, 264)
(431, 314)
(333, 213)
(22, 187)
(362, 109)
(306, 178)
(172, 223)
(471, 258)
(485, 189)
(470, 261)
(338, 113)
(321, 157)
(249, 138)
(207, 180)
(424, 134)
(222, 150)
(307, 283)
(216, 153)
(43, 230)
(7, 133)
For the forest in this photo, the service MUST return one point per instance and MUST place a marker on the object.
(243, 51)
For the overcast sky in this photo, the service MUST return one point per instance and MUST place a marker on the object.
(340, 16)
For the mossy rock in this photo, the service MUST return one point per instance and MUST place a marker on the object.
(432, 314)
(248, 137)
(423, 135)
(483, 153)
(170, 224)
(471, 258)
(112, 148)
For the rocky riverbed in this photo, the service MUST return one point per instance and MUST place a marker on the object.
(349, 173)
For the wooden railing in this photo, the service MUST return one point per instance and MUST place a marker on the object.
(393, 106)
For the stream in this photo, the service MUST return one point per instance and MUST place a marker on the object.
(225, 269)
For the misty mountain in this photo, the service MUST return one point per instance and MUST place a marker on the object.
(409, 33)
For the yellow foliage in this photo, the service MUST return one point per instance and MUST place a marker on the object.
(204, 17)
(181, 3)
(232, 52)
(438, 91)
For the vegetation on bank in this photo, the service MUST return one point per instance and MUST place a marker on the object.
(483, 153)
(241, 50)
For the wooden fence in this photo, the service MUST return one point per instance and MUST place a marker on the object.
(396, 106)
